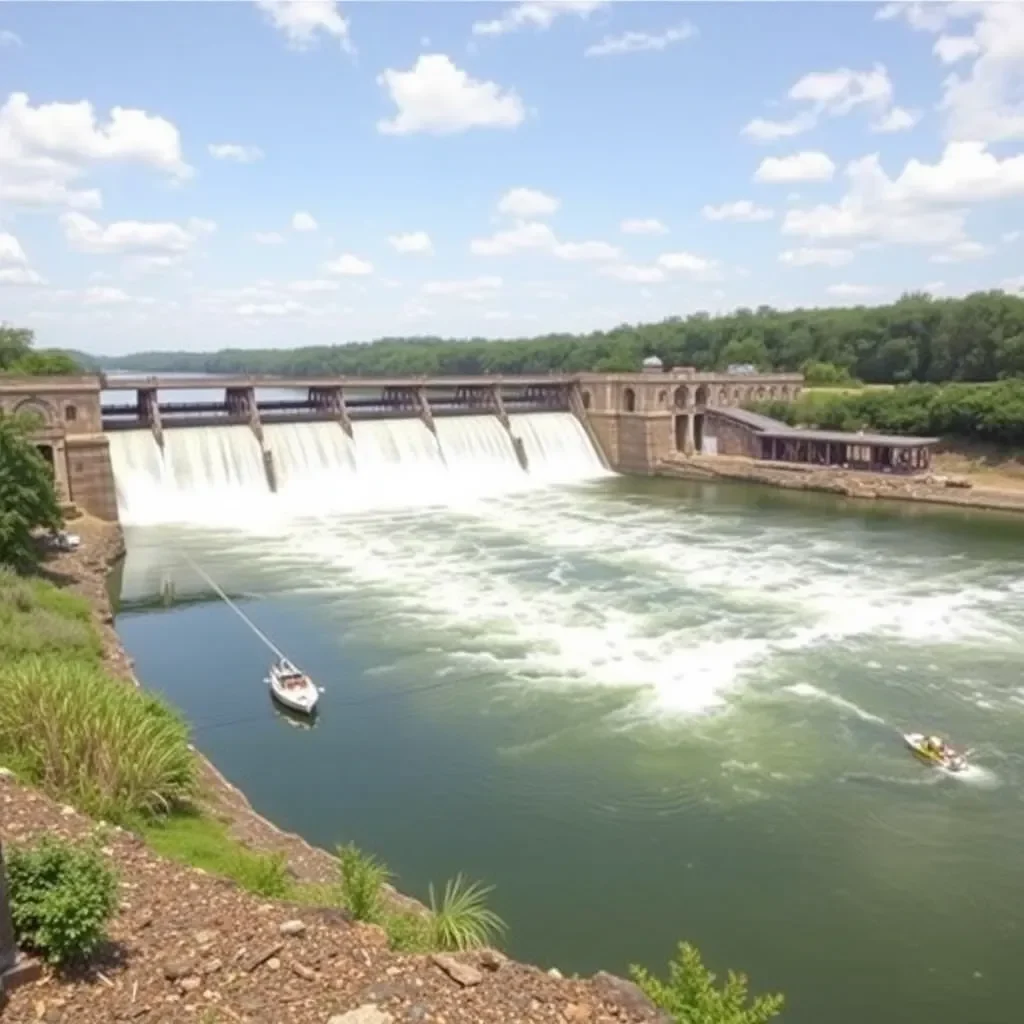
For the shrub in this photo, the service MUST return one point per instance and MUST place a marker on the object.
(363, 878)
(461, 919)
(408, 932)
(111, 750)
(690, 995)
(62, 896)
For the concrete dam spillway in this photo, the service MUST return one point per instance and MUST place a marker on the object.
(215, 474)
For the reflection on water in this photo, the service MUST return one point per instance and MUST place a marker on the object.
(645, 710)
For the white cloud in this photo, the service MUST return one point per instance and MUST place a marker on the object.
(852, 291)
(763, 130)
(965, 173)
(9, 38)
(132, 236)
(527, 235)
(534, 235)
(638, 42)
(1010, 236)
(740, 210)
(44, 149)
(950, 49)
(897, 119)
(411, 242)
(475, 289)
(11, 251)
(349, 266)
(438, 98)
(643, 226)
(987, 103)
(926, 17)
(961, 252)
(104, 295)
(812, 257)
(586, 251)
(267, 237)
(806, 166)
(272, 309)
(310, 287)
(303, 21)
(834, 94)
(688, 263)
(527, 202)
(303, 221)
(20, 276)
(537, 14)
(1012, 284)
(235, 151)
(635, 274)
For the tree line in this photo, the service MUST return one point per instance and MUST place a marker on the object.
(982, 412)
(918, 338)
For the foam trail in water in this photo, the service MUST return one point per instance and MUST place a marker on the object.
(809, 690)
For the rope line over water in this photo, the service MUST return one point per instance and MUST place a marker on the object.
(234, 607)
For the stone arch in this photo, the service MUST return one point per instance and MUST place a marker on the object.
(662, 397)
(70, 413)
(586, 399)
(629, 400)
(737, 394)
(723, 396)
(771, 391)
(36, 407)
(783, 392)
(682, 396)
(702, 395)
(760, 391)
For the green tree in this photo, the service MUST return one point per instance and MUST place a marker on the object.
(15, 343)
(690, 995)
(45, 362)
(27, 497)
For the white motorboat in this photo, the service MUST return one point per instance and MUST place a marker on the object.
(292, 688)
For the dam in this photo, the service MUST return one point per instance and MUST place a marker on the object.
(644, 709)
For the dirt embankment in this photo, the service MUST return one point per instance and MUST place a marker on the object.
(968, 490)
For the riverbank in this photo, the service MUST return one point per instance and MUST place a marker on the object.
(187, 944)
(960, 490)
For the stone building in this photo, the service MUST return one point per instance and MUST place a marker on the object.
(641, 418)
(70, 435)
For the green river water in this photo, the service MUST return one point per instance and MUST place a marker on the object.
(644, 710)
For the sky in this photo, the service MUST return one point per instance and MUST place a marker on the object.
(201, 175)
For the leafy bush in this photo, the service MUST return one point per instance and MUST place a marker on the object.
(691, 997)
(461, 919)
(408, 932)
(109, 749)
(363, 878)
(62, 896)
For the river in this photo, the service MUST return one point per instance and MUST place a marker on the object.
(644, 710)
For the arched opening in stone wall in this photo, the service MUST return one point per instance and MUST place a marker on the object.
(784, 392)
(682, 396)
(760, 392)
(629, 400)
(723, 396)
(662, 397)
(702, 395)
(771, 391)
(46, 450)
(70, 413)
(680, 433)
(586, 399)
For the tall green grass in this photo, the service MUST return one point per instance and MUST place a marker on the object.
(83, 737)
(38, 618)
(460, 918)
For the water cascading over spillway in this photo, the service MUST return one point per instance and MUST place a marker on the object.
(216, 474)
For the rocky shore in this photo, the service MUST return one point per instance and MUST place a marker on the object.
(930, 489)
(188, 947)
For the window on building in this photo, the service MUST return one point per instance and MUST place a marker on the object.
(629, 400)
(70, 413)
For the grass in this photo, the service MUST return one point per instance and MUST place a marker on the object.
(38, 618)
(201, 841)
(112, 751)
(361, 882)
(460, 918)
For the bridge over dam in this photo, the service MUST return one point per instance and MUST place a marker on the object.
(120, 441)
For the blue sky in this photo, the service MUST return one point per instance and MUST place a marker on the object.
(202, 175)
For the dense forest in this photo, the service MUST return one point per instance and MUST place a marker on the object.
(918, 338)
(17, 355)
